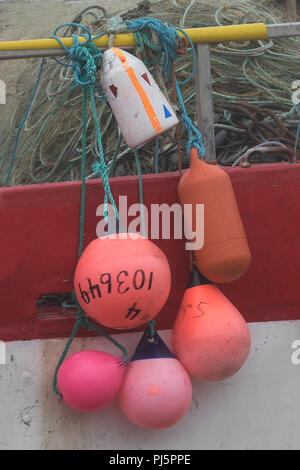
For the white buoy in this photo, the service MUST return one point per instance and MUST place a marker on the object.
(140, 108)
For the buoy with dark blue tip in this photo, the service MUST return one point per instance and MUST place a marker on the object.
(210, 337)
(157, 391)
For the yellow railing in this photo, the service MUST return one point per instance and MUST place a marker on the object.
(215, 34)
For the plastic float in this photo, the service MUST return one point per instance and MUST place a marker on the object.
(225, 255)
(140, 108)
(210, 336)
(89, 380)
(122, 280)
(157, 391)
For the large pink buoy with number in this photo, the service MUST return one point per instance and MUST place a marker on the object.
(210, 337)
(89, 380)
(122, 280)
(156, 391)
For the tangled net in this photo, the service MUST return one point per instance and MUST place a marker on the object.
(255, 119)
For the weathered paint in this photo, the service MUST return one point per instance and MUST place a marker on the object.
(256, 409)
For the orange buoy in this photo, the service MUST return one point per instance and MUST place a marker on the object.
(210, 337)
(122, 280)
(225, 255)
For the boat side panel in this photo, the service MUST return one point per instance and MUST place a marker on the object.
(39, 243)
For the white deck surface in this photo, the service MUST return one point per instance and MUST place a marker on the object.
(258, 408)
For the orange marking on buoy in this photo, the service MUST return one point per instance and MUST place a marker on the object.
(154, 389)
(145, 100)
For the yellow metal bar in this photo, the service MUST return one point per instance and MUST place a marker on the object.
(237, 33)
(245, 32)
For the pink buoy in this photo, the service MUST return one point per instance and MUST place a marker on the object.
(122, 280)
(89, 380)
(156, 391)
(210, 337)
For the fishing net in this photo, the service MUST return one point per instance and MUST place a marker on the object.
(251, 98)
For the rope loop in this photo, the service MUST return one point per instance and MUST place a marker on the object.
(168, 44)
(167, 35)
(85, 57)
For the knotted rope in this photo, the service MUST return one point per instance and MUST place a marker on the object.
(164, 51)
(85, 60)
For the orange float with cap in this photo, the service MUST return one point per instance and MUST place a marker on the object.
(122, 280)
(225, 255)
(210, 337)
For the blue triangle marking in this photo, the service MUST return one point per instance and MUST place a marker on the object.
(167, 112)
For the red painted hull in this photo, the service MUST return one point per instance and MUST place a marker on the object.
(39, 244)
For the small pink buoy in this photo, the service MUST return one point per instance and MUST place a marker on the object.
(156, 391)
(89, 380)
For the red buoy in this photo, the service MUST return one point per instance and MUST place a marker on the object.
(210, 337)
(122, 280)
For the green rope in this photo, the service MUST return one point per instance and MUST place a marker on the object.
(151, 323)
(84, 74)
(63, 355)
(146, 43)
(83, 173)
(82, 321)
(115, 156)
(100, 167)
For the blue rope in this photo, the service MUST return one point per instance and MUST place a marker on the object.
(83, 62)
(85, 58)
(21, 126)
(168, 37)
(83, 28)
(194, 135)
(192, 74)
